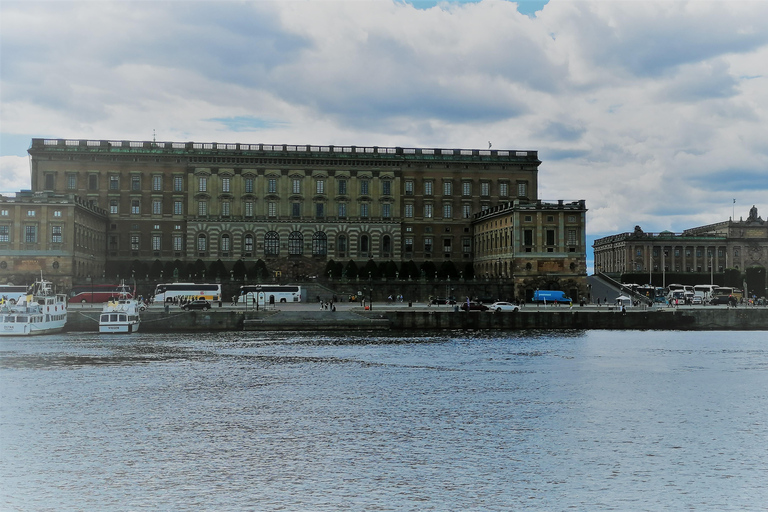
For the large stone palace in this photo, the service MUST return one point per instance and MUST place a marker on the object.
(733, 244)
(97, 206)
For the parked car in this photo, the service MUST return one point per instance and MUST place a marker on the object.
(474, 306)
(197, 304)
(697, 300)
(436, 301)
(499, 307)
(720, 299)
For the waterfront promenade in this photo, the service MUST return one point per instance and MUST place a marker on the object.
(396, 316)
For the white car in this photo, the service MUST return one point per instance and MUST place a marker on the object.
(502, 306)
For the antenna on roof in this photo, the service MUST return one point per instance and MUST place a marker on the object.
(489, 144)
(154, 139)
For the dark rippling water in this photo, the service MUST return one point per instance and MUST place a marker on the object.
(596, 420)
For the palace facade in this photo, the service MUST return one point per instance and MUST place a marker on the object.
(293, 206)
(731, 244)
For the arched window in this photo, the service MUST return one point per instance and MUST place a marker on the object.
(202, 243)
(364, 245)
(271, 244)
(225, 243)
(319, 244)
(341, 245)
(295, 244)
(386, 245)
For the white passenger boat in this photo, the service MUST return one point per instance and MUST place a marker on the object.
(120, 314)
(40, 311)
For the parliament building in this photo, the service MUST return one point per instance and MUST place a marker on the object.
(97, 206)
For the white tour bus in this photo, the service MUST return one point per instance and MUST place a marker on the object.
(270, 293)
(167, 292)
(704, 291)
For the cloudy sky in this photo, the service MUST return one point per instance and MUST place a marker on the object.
(656, 113)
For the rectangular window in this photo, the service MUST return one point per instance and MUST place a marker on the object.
(386, 211)
(202, 208)
(528, 237)
(571, 240)
(447, 211)
(5, 233)
(522, 189)
(296, 186)
(114, 182)
(157, 206)
(71, 181)
(30, 234)
(427, 211)
(428, 188)
(93, 182)
(409, 187)
(408, 244)
(409, 211)
(157, 182)
(550, 237)
(225, 243)
(428, 244)
(364, 184)
(447, 246)
(226, 184)
(178, 244)
(272, 210)
(31, 213)
(342, 187)
(135, 183)
(447, 188)
(248, 243)
(364, 210)
(504, 189)
(320, 187)
(319, 210)
(342, 210)
(225, 209)
(272, 186)
(386, 187)
(134, 242)
(466, 188)
(249, 208)
(485, 189)
(178, 183)
(113, 206)
(295, 210)
(135, 206)
(249, 185)
(178, 208)
(48, 181)
(202, 184)
(466, 245)
(155, 242)
(466, 211)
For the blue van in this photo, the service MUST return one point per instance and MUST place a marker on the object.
(551, 296)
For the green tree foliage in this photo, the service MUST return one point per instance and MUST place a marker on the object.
(351, 270)
(370, 270)
(238, 270)
(448, 270)
(156, 269)
(409, 270)
(755, 277)
(428, 270)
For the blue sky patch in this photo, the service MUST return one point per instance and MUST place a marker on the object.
(527, 7)
(246, 123)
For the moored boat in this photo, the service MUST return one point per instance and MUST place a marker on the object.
(120, 314)
(40, 311)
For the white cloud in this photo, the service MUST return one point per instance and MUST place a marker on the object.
(14, 174)
(654, 112)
